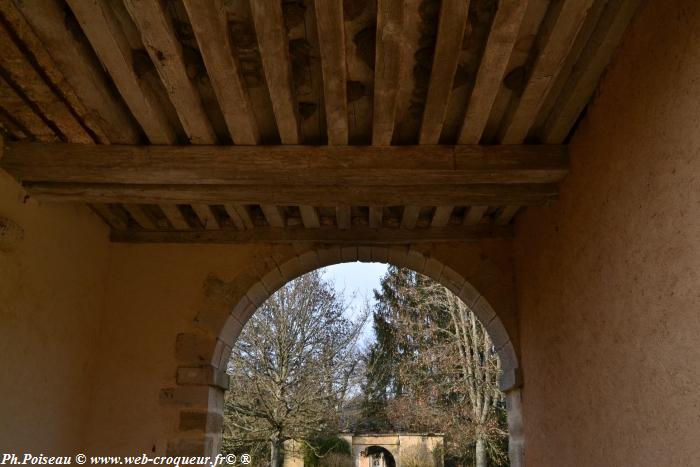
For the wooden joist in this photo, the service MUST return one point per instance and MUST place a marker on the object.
(273, 215)
(285, 165)
(174, 215)
(74, 59)
(331, 39)
(206, 216)
(506, 215)
(442, 215)
(158, 36)
(22, 115)
(388, 57)
(594, 58)
(410, 217)
(499, 46)
(208, 19)
(112, 47)
(19, 72)
(474, 215)
(356, 235)
(42, 60)
(343, 217)
(141, 217)
(547, 66)
(451, 26)
(240, 216)
(375, 216)
(309, 217)
(271, 32)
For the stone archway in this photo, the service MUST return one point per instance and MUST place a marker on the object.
(202, 379)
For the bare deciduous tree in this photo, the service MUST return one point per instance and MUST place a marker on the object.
(290, 368)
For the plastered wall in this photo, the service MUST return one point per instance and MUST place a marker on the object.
(51, 291)
(608, 277)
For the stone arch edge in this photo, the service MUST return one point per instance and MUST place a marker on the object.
(201, 377)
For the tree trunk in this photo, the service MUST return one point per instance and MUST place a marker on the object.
(480, 452)
(276, 450)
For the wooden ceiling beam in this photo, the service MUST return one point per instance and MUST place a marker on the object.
(318, 195)
(84, 75)
(310, 217)
(388, 57)
(547, 66)
(273, 44)
(240, 216)
(285, 165)
(331, 39)
(174, 215)
(474, 215)
(208, 19)
(489, 78)
(324, 235)
(441, 216)
(114, 51)
(51, 107)
(594, 58)
(158, 36)
(451, 27)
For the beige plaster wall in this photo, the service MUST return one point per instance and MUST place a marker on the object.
(156, 292)
(609, 277)
(50, 301)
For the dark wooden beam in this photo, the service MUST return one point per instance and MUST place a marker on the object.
(285, 165)
(327, 235)
(313, 195)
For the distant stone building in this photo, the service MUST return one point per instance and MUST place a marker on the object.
(383, 450)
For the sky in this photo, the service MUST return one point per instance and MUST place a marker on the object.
(357, 280)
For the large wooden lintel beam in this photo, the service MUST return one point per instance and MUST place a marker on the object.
(326, 235)
(312, 195)
(285, 165)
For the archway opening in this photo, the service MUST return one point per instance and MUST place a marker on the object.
(465, 290)
(378, 456)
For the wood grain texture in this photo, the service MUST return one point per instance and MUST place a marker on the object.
(492, 69)
(286, 165)
(111, 46)
(321, 195)
(328, 235)
(410, 217)
(343, 217)
(163, 47)
(208, 19)
(271, 32)
(273, 215)
(174, 215)
(388, 57)
(545, 70)
(85, 76)
(375, 216)
(240, 216)
(19, 72)
(309, 217)
(474, 215)
(331, 39)
(206, 216)
(441, 216)
(52, 74)
(451, 26)
(595, 57)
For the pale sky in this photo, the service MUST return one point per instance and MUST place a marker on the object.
(358, 280)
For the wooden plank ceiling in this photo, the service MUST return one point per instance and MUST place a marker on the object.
(365, 121)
